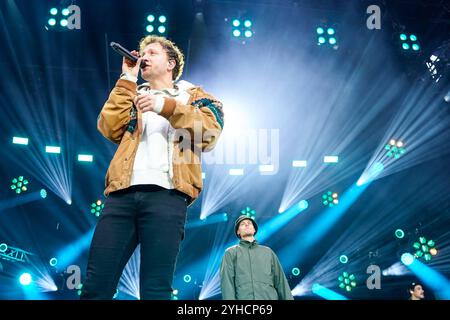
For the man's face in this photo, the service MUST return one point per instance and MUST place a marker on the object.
(246, 228)
(418, 292)
(157, 62)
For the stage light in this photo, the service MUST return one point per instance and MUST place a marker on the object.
(22, 141)
(326, 35)
(303, 204)
(397, 269)
(25, 279)
(161, 29)
(187, 278)
(249, 212)
(53, 262)
(424, 249)
(399, 233)
(395, 149)
(156, 25)
(3, 247)
(19, 184)
(52, 149)
(331, 159)
(330, 199)
(43, 193)
(347, 281)
(236, 172)
(343, 259)
(85, 157)
(80, 288)
(295, 272)
(56, 15)
(370, 174)
(97, 207)
(407, 259)
(240, 28)
(299, 163)
(408, 41)
(175, 294)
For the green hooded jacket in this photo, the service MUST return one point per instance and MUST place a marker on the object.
(250, 271)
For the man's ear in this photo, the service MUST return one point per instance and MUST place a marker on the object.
(171, 64)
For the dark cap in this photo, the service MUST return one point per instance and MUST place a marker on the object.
(413, 285)
(242, 218)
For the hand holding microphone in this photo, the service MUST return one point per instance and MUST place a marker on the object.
(131, 67)
(131, 60)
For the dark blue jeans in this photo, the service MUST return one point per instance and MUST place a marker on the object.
(149, 215)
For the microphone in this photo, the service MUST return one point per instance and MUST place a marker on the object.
(125, 53)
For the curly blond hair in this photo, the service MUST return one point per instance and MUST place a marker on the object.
(171, 49)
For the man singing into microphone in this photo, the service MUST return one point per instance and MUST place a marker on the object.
(161, 126)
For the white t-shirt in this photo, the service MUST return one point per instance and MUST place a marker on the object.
(152, 163)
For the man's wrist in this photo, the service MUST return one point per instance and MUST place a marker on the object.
(128, 76)
(159, 104)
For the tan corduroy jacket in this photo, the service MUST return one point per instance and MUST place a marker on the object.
(195, 128)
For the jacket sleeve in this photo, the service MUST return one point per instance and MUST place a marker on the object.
(115, 115)
(280, 281)
(227, 277)
(203, 119)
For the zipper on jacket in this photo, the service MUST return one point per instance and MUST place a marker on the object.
(251, 273)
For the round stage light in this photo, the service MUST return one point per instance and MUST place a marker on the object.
(399, 233)
(343, 259)
(25, 279)
(407, 259)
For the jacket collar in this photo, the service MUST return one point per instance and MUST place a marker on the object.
(181, 85)
(248, 244)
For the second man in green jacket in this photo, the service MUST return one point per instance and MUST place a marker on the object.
(250, 271)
